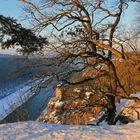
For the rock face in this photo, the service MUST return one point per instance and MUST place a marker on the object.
(70, 106)
(53, 112)
(74, 106)
(130, 110)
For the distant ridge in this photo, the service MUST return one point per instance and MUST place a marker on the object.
(10, 55)
(5, 55)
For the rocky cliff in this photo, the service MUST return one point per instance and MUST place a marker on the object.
(72, 106)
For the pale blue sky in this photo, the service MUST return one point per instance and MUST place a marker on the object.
(10, 8)
(13, 8)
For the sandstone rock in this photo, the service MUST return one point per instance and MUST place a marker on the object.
(72, 108)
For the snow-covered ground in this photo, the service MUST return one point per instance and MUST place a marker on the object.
(129, 108)
(16, 99)
(125, 102)
(42, 131)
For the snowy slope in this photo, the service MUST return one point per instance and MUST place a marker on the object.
(129, 108)
(12, 101)
(42, 131)
(16, 99)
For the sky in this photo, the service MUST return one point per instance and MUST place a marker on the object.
(10, 8)
(13, 8)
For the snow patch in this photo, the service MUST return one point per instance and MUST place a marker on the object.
(129, 108)
(43, 131)
(88, 94)
(77, 90)
(135, 95)
(58, 103)
(16, 99)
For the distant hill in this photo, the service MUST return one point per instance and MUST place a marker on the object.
(11, 72)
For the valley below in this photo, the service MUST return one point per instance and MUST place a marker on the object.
(20, 99)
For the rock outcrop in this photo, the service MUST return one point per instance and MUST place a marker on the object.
(129, 110)
(71, 106)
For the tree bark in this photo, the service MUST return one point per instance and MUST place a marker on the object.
(111, 107)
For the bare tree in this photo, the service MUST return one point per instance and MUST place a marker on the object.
(84, 30)
(83, 34)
